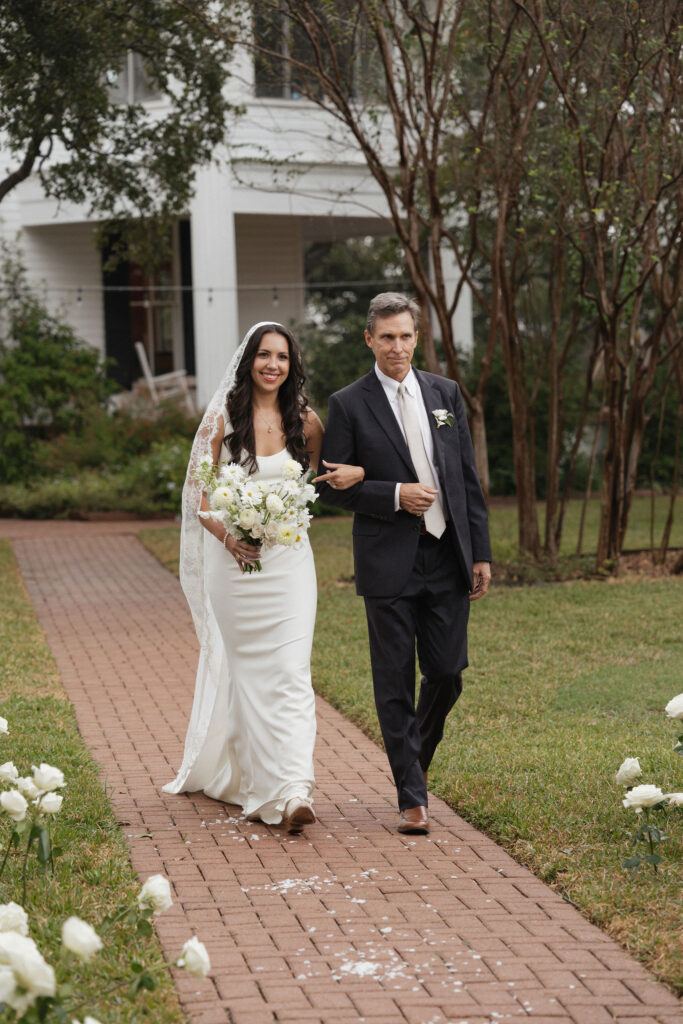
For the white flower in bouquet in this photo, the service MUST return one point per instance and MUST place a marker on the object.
(224, 497)
(262, 487)
(194, 958)
(249, 493)
(14, 804)
(48, 778)
(8, 772)
(13, 918)
(274, 503)
(258, 531)
(155, 894)
(674, 708)
(247, 517)
(308, 494)
(292, 469)
(30, 971)
(290, 487)
(80, 938)
(270, 531)
(4, 727)
(231, 473)
(286, 535)
(51, 803)
(628, 773)
(643, 796)
(28, 788)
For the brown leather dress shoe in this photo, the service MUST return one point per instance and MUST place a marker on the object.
(414, 821)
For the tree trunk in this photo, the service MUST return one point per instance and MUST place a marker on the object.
(481, 455)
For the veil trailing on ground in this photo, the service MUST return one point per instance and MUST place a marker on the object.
(202, 766)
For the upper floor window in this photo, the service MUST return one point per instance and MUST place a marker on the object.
(281, 42)
(132, 84)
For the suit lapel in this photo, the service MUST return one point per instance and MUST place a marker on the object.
(432, 400)
(378, 404)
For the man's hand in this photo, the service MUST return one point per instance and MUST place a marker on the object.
(482, 578)
(416, 498)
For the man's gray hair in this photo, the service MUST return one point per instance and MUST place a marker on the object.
(389, 304)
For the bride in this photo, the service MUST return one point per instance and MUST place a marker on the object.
(252, 729)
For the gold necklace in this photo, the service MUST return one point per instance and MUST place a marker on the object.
(270, 427)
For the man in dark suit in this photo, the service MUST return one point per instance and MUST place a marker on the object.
(420, 538)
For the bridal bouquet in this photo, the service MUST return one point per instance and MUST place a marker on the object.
(262, 512)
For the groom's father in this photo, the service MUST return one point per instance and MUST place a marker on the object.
(420, 538)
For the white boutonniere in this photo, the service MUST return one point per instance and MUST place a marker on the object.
(443, 417)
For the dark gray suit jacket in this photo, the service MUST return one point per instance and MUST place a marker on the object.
(362, 430)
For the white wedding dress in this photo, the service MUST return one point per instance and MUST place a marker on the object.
(252, 730)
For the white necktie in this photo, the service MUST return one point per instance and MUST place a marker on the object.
(433, 517)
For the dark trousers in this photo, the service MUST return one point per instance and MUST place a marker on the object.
(432, 610)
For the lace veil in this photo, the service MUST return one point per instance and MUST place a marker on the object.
(213, 670)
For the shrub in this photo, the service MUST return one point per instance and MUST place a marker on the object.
(149, 485)
(50, 381)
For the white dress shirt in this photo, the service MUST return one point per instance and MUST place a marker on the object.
(415, 396)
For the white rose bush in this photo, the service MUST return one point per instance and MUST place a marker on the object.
(263, 513)
(644, 798)
(31, 803)
(35, 991)
(31, 989)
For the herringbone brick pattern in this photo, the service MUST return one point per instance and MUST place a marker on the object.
(350, 922)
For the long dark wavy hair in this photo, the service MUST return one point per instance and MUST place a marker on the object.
(292, 400)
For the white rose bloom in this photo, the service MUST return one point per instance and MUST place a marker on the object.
(270, 531)
(223, 497)
(4, 727)
(629, 772)
(194, 958)
(247, 518)
(13, 918)
(48, 778)
(80, 938)
(30, 970)
(28, 788)
(274, 504)
(674, 708)
(7, 986)
(14, 804)
(51, 803)
(643, 796)
(8, 772)
(257, 531)
(286, 535)
(675, 799)
(292, 469)
(155, 894)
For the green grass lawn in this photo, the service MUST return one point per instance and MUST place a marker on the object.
(565, 681)
(93, 876)
(503, 521)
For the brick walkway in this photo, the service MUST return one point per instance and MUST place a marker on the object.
(350, 922)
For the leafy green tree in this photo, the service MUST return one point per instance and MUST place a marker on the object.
(332, 336)
(62, 115)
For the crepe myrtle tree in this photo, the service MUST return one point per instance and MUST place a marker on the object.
(66, 116)
(535, 146)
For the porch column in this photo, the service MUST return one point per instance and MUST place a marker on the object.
(214, 277)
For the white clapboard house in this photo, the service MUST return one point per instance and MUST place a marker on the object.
(238, 252)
